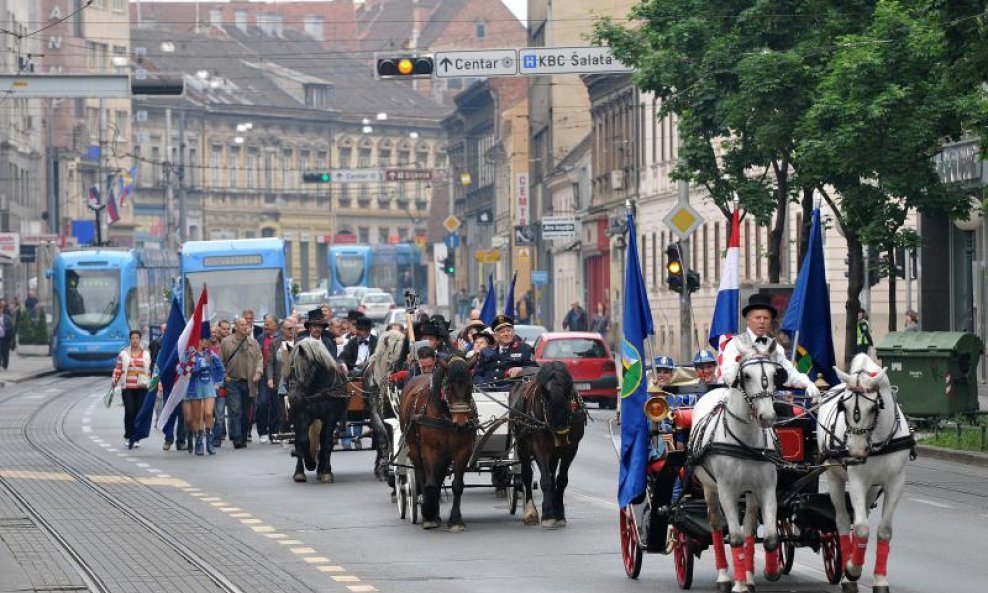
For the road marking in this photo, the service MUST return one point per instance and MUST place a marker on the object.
(316, 560)
(279, 536)
(153, 470)
(121, 454)
(932, 503)
(346, 578)
(113, 450)
(143, 465)
(87, 429)
(289, 542)
(360, 588)
(250, 521)
(239, 515)
(105, 445)
(212, 499)
(217, 504)
(330, 568)
(303, 551)
(230, 509)
(86, 420)
(263, 528)
(19, 474)
(599, 501)
(197, 494)
(190, 489)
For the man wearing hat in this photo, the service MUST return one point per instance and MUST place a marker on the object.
(507, 357)
(758, 315)
(316, 328)
(361, 345)
(705, 364)
(665, 368)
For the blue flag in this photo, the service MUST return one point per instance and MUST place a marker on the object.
(807, 319)
(163, 372)
(489, 310)
(509, 307)
(638, 327)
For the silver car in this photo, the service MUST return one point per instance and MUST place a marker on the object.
(377, 305)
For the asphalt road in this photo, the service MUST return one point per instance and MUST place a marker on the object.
(347, 535)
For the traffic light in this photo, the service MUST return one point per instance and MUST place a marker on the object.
(404, 66)
(157, 87)
(449, 264)
(692, 281)
(674, 267)
(316, 177)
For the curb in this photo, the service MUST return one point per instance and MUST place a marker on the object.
(28, 377)
(944, 454)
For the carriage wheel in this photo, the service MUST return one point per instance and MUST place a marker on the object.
(833, 564)
(412, 492)
(683, 557)
(787, 547)
(402, 498)
(631, 550)
(514, 493)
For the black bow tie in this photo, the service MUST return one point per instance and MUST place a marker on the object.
(761, 340)
(364, 342)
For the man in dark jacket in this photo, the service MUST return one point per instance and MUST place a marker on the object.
(576, 318)
(361, 345)
(507, 358)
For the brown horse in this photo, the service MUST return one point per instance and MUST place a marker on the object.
(439, 421)
(547, 420)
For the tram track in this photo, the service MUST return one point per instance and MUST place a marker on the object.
(77, 559)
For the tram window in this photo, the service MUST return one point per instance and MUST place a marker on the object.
(133, 310)
(92, 297)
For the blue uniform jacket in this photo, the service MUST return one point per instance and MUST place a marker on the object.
(492, 363)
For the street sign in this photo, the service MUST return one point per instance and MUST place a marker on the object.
(408, 174)
(481, 62)
(28, 253)
(452, 241)
(39, 239)
(540, 277)
(491, 256)
(357, 175)
(10, 247)
(64, 86)
(558, 227)
(568, 60)
(525, 235)
(485, 216)
(451, 223)
(683, 220)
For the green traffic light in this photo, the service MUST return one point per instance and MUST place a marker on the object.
(325, 178)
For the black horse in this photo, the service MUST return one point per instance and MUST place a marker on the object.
(547, 419)
(439, 420)
(318, 401)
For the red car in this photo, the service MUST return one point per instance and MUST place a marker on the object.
(588, 359)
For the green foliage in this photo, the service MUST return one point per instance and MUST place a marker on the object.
(33, 329)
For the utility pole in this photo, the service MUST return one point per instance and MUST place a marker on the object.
(685, 300)
(101, 122)
(182, 212)
(866, 285)
(166, 167)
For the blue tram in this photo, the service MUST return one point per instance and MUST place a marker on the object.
(101, 295)
(390, 267)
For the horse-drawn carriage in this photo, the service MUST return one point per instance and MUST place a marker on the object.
(675, 514)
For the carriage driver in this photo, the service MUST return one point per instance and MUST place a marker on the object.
(759, 314)
(507, 357)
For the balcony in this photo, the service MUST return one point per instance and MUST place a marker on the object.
(960, 163)
(384, 202)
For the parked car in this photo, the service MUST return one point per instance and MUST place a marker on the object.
(376, 305)
(311, 299)
(588, 359)
(339, 306)
(530, 333)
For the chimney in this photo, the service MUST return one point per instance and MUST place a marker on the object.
(420, 18)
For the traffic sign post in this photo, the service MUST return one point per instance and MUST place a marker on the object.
(481, 62)
(569, 60)
(357, 175)
(558, 227)
(683, 220)
(451, 223)
(540, 277)
(452, 241)
(408, 174)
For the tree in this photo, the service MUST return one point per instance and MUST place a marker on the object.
(885, 104)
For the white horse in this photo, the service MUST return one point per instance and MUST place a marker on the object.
(862, 424)
(732, 447)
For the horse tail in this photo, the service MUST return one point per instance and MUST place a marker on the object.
(315, 428)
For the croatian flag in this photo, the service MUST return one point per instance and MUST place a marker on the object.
(196, 329)
(725, 320)
(112, 214)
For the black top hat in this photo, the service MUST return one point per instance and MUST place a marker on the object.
(364, 323)
(315, 317)
(427, 329)
(502, 321)
(759, 301)
(353, 315)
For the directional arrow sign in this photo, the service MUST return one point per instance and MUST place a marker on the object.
(568, 60)
(481, 62)
(357, 175)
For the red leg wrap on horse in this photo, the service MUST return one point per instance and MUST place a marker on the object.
(882, 557)
(749, 553)
(737, 554)
(772, 561)
(720, 558)
(846, 548)
(860, 547)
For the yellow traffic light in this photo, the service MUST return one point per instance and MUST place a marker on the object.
(675, 267)
(404, 66)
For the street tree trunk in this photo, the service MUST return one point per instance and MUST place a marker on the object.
(893, 304)
(781, 214)
(804, 231)
(855, 282)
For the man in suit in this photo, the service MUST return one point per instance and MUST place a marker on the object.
(361, 345)
(507, 358)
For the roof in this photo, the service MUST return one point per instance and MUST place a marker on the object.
(200, 247)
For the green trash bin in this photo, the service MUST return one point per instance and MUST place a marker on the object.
(936, 372)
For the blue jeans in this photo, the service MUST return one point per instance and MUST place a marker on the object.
(219, 420)
(267, 409)
(237, 400)
(175, 424)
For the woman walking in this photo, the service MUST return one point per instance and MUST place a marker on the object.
(601, 322)
(200, 399)
(133, 364)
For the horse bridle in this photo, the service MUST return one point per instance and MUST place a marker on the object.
(465, 407)
(767, 389)
(859, 394)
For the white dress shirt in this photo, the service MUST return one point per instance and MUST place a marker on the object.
(731, 361)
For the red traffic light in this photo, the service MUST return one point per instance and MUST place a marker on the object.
(404, 66)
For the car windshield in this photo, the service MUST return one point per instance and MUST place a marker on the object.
(234, 291)
(92, 297)
(311, 298)
(378, 299)
(574, 348)
(342, 303)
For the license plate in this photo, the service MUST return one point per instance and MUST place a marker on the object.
(582, 386)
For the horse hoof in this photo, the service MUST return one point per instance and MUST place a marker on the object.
(549, 524)
(880, 589)
(560, 523)
(531, 519)
(852, 572)
(326, 478)
(430, 524)
(458, 528)
(772, 577)
(849, 587)
(299, 477)
(310, 463)
(750, 588)
(725, 587)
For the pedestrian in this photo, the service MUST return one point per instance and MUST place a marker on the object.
(30, 302)
(6, 336)
(200, 398)
(601, 321)
(865, 341)
(360, 346)
(265, 415)
(576, 318)
(274, 369)
(912, 321)
(218, 432)
(133, 364)
(242, 360)
(462, 304)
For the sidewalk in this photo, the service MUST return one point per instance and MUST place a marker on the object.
(23, 368)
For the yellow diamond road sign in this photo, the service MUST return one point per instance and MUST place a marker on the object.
(683, 220)
(451, 223)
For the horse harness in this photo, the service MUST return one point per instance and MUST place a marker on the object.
(837, 448)
(526, 419)
(418, 417)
